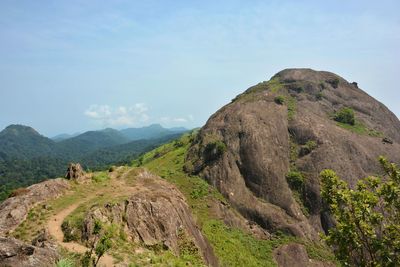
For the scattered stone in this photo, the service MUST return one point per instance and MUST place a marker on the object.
(387, 141)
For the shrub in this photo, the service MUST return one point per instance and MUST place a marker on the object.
(111, 169)
(319, 96)
(214, 150)
(345, 115)
(295, 180)
(308, 147)
(367, 217)
(279, 99)
(101, 177)
(334, 82)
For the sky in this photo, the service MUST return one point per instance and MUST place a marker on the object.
(71, 66)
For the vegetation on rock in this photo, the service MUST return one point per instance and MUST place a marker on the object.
(345, 115)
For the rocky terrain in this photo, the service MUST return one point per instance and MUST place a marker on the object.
(242, 191)
(285, 125)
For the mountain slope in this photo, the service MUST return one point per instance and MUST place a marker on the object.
(150, 132)
(265, 150)
(18, 141)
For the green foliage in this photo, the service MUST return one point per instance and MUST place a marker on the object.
(308, 147)
(99, 246)
(291, 106)
(295, 180)
(275, 85)
(367, 231)
(360, 128)
(100, 177)
(334, 82)
(214, 150)
(27, 158)
(232, 246)
(319, 96)
(235, 248)
(345, 115)
(66, 262)
(279, 99)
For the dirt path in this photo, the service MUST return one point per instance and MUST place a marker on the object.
(55, 222)
(54, 228)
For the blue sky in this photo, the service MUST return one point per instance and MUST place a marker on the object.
(68, 66)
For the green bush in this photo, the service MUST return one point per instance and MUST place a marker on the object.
(295, 180)
(214, 150)
(279, 99)
(367, 218)
(334, 82)
(308, 147)
(100, 177)
(345, 115)
(319, 96)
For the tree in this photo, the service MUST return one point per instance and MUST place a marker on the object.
(367, 230)
(100, 245)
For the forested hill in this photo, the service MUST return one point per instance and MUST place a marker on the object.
(27, 157)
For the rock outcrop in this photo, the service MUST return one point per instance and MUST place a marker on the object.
(15, 209)
(247, 148)
(295, 255)
(155, 215)
(76, 173)
(15, 253)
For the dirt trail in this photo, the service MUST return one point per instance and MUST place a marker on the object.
(55, 222)
(54, 227)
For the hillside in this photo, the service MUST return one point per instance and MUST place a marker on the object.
(244, 190)
(26, 157)
(203, 230)
(265, 150)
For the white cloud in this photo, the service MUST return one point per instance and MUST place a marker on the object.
(108, 116)
(169, 120)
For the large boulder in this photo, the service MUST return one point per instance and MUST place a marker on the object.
(247, 148)
(15, 253)
(156, 214)
(14, 210)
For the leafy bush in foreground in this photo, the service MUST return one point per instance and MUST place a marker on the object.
(367, 231)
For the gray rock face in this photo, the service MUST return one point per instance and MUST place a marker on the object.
(15, 209)
(157, 214)
(261, 138)
(15, 253)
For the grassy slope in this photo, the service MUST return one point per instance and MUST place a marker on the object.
(233, 247)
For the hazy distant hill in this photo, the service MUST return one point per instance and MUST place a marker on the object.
(61, 137)
(149, 132)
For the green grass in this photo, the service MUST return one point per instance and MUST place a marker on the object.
(291, 106)
(232, 246)
(236, 248)
(100, 177)
(360, 129)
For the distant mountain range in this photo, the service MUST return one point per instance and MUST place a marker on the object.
(27, 157)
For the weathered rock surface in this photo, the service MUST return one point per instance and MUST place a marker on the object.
(15, 253)
(15, 209)
(76, 173)
(157, 214)
(259, 139)
(295, 255)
